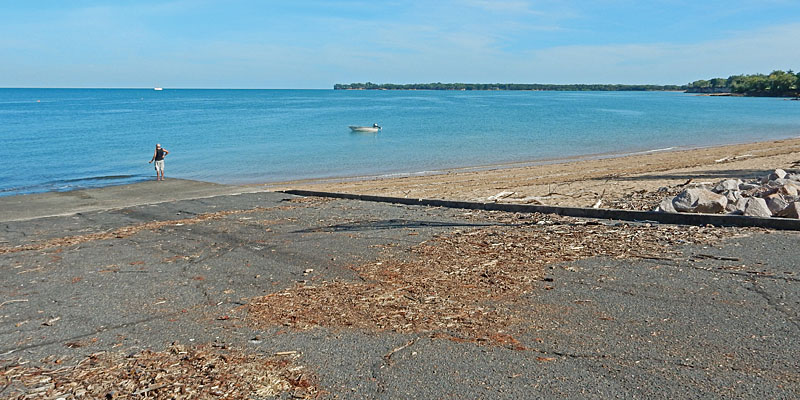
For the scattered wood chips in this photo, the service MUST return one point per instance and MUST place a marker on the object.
(178, 373)
(644, 200)
(463, 285)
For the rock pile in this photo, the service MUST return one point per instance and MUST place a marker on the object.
(774, 195)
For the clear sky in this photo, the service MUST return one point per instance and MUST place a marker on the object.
(317, 43)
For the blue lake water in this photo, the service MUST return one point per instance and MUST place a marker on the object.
(65, 139)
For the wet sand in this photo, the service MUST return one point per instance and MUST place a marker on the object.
(577, 183)
(631, 182)
(39, 205)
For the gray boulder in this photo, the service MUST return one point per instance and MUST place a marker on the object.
(776, 203)
(732, 195)
(697, 200)
(749, 186)
(727, 185)
(737, 207)
(757, 207)
(789, 189)
(791, 211)
(666, 206)
(793, 177)
(776, 183)
(777, 174)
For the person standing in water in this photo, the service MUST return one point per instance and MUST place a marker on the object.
(158, 157)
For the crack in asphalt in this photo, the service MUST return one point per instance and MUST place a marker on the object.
(718, 270)
(8, 350)
(385, 362)
(181, 211)
(761, 291)
(8, 229)
(746, 274)
(626, 292)
(679, 363)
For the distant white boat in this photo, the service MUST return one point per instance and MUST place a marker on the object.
(158, 88)
(371, 129)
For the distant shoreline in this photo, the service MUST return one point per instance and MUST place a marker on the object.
(536, 87)
(777, 84)
(568, 88)
(564, 88)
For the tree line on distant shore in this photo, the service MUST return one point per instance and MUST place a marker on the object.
(504, 86)
(776, 84)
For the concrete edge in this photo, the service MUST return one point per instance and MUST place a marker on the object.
(601, 213)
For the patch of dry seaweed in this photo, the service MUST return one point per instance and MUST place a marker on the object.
(645, 200)
(462, 284)
(178, 372)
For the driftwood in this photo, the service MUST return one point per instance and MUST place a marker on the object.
(500, 195)
(734, 158)
(13, 301)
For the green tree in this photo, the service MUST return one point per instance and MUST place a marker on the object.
(780, 83)
(701, 84)
(719, 83)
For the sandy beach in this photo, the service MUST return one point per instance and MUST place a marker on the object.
(578, 183)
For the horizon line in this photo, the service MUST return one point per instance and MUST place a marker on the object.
(325, 88)
(152, 88)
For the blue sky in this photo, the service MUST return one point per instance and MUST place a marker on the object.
(316, 43)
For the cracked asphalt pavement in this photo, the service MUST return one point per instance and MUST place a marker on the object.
(713, 322)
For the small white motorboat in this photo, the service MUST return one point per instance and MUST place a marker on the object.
(158, 89)
(371, 129)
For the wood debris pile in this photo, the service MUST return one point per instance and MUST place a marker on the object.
(463, 285)
(298, 202)
(644, 200)
(179, 372)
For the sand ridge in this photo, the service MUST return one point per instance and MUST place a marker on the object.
(579, 183)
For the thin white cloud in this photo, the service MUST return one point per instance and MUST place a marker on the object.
(103, 48)
(658, 63)
(507, 6)
(745, 52)
(142, 9)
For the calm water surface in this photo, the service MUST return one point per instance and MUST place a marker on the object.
(64, 139)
